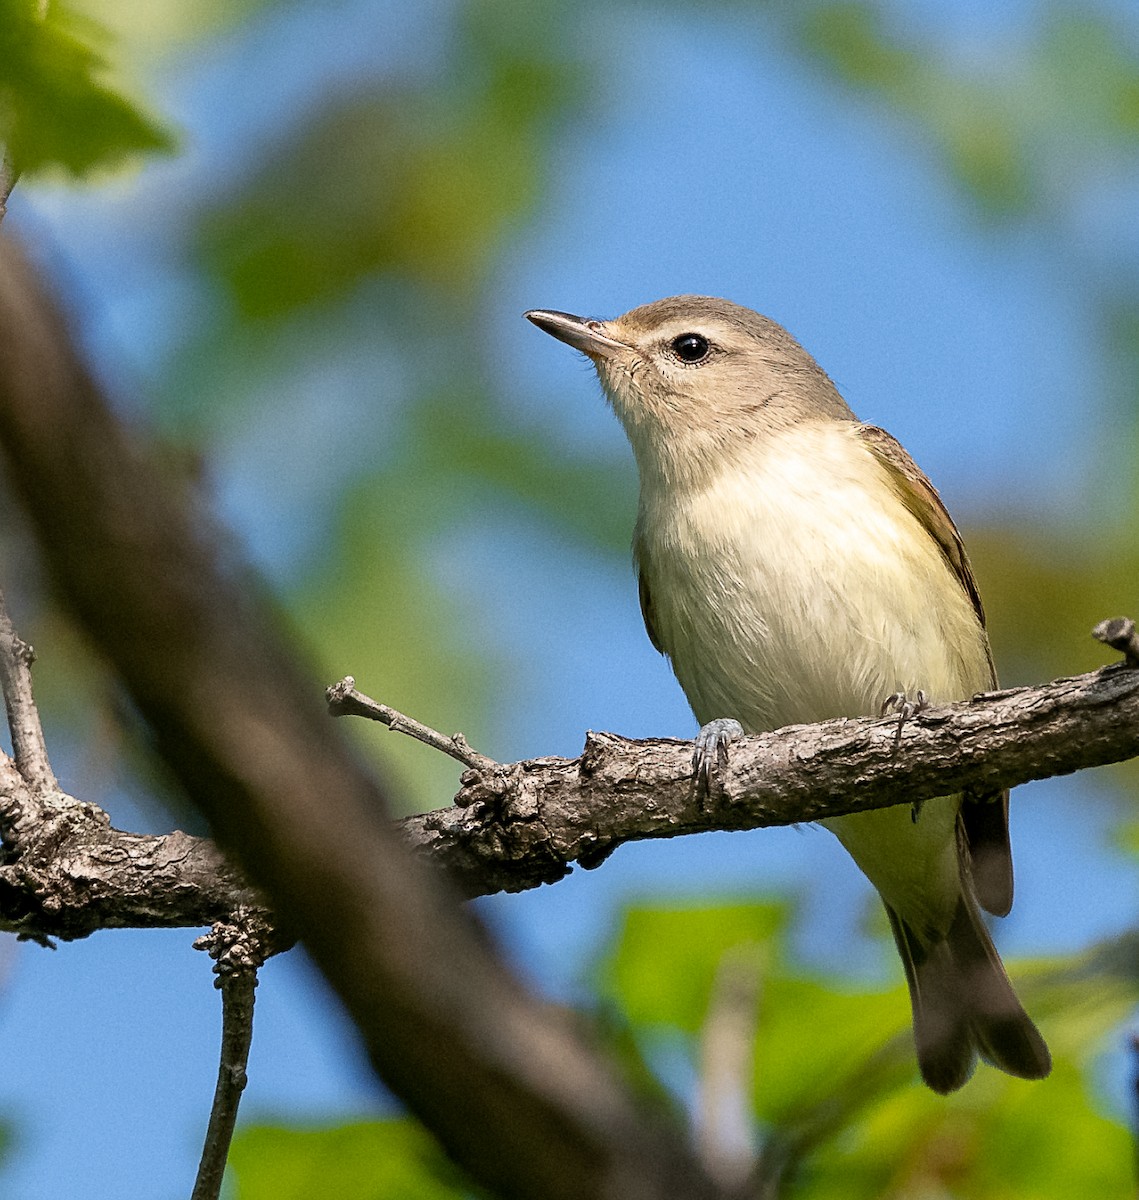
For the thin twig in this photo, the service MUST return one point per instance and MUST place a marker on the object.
(345, 701)
(238, 950)
(28, 744)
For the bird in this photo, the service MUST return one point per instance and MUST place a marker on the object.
(795, 565)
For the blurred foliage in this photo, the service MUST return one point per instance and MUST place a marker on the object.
(1023, 129)
(366, 1160)
(56, 108)
(837, 1109)
(421, 180)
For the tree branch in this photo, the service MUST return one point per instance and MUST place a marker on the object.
(722, 1121)
(64, 871)
(345, 701)
(523, 824)
(519, 825)
(238, 949)
(28, 745)
(510, 1084)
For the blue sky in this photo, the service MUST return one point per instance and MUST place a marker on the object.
(713, 163)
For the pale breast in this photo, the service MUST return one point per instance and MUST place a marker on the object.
(798, 588)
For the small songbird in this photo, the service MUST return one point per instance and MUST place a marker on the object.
(794, 566)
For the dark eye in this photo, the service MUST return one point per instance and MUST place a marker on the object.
(690, 347)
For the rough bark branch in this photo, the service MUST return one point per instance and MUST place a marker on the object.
(238, 948)
(28, 744)
(345, 701)
(523, 824)
(519, 825)
(64, 871)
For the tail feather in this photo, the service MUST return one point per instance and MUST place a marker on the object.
(983, 843)
(963, 1003)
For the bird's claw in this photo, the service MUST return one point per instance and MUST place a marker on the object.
(710, 756)
(900, 703)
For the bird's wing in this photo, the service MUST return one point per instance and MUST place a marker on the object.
(645, 597)
(984, 816)
(921, 498)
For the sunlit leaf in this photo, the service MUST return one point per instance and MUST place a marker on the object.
(662, 968)
(365, 1160)
(56, 108)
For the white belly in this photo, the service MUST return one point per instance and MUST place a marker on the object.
(783, 596)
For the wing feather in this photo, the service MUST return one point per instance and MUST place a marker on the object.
(646, 599)
(984, 816)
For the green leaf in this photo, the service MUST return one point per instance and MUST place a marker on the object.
(56, 108)
(812, 1034)
(365, 1160)
(663, 966)
(999, 1139)
(874, 1131)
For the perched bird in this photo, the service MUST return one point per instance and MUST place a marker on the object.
(794, 566)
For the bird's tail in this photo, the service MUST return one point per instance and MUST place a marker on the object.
(964, 1004)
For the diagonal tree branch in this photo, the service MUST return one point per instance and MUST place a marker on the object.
(64, 871)
(511, 1085)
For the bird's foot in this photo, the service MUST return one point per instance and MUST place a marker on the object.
(900, 703)
(710, 756)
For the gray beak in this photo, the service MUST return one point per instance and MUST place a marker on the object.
(581, 333)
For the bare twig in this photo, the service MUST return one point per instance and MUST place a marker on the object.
(28, 745)
(65, 871)
(238, 949)
(1119, 633)
(345, 701)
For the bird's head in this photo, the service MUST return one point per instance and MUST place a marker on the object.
(694, 379)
